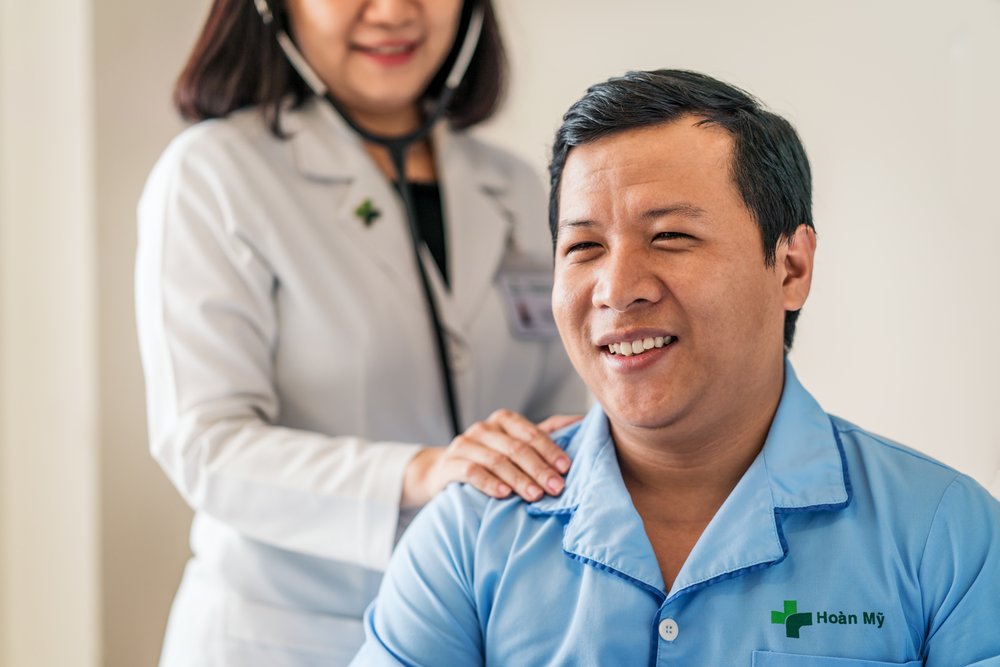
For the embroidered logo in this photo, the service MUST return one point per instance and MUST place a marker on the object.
(794, 620)
(367, 212)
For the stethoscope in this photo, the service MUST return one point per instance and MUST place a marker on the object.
(397, 148)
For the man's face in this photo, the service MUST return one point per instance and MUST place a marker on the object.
(656, 247)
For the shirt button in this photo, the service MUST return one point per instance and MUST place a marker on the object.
(668, 629)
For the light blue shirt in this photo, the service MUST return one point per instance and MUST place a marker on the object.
(837, 548)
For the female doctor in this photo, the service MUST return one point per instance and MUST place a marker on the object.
(312, 325)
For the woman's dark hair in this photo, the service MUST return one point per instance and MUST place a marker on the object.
(769, 165)
(236, 63)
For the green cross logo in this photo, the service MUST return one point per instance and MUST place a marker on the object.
(367, 212)
(792, 619)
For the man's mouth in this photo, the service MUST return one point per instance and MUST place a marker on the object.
(639, 346)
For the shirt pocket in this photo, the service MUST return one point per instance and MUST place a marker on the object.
(770, 659)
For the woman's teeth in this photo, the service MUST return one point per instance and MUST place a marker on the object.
(389, 50)
(628, 349)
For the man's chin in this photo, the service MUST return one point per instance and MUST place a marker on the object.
(643, 417)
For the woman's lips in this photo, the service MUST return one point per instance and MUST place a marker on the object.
(389, 54)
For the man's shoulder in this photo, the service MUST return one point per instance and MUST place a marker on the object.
(887, 448)
(890, 471)
(483, 527)
(462, 512)
(880, 451)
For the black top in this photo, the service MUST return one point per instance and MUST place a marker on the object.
(430, 221)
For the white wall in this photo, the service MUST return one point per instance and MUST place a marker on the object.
(895, 101)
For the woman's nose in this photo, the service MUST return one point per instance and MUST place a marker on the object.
(391, 13)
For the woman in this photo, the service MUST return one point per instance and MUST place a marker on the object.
(293, 382)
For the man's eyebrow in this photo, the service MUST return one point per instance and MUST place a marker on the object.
(575, 223)
(683, 210)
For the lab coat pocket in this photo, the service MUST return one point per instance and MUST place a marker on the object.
(770, 659)
(264, 634)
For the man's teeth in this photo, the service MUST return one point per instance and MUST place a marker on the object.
(627, 349)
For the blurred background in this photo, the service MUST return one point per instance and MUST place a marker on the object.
(896, 101)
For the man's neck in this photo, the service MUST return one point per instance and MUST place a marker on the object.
(689, 471)
(679, 477)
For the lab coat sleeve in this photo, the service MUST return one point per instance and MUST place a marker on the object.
(207, 327)
(960, 575)
(425, 613)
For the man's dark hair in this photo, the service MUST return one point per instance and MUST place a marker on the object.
(236, 63)
(769, 165)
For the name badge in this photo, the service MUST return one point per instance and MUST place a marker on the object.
(527, 288)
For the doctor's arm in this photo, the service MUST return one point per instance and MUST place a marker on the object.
(426, 612)
(208, 326)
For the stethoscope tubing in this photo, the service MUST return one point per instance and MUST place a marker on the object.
(398, 147)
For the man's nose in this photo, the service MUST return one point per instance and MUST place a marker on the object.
(627, 280)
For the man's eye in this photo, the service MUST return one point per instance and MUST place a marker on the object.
(669, 236)
(584, 245)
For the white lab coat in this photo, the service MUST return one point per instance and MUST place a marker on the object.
(291, 370)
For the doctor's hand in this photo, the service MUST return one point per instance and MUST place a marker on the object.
(504, 454)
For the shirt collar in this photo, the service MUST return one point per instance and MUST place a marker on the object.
(800, 468)
(603, 527)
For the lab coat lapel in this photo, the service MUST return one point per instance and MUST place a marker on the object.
(332, 153)
(473, 191)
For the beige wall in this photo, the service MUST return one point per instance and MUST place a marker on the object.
(139, 49)
(49, 516)
(92, 536)
(893, 100)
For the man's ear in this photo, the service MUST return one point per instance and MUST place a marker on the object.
(795, 261)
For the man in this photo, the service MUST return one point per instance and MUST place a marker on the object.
(714, 514)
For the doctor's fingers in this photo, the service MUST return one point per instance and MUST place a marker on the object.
(516, 448)
(489, 470)
(521, 428)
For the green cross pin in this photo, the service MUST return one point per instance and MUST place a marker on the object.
(367, 212)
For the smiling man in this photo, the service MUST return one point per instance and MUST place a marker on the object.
(714, 513)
